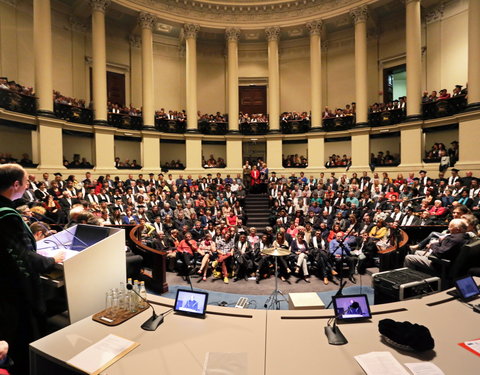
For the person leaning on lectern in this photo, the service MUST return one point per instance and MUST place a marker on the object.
(22, 307)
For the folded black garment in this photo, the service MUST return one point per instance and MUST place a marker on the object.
(414, 336)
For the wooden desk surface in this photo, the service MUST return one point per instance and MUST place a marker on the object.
(178, 346)
(298, 345)
(276, 342)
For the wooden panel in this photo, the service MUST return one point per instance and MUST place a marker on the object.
(253, 99)
(116, 88)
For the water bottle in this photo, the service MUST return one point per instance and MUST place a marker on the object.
(143, 294)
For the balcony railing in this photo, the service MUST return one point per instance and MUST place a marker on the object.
(170, 126)
(73, 114)
(384, 118)
(16, 102)
(295, 126)
(213, 128)
(254, 128)
(446, 107)
(124, 121)
(338, 123)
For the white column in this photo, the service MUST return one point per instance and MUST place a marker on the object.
(414, 59)
(315, 29)
(147, 22)
(190, 31)
(42, 38)
(232, 35)
(99, 55)
(273, 36)
(359, 16)
(473, 55)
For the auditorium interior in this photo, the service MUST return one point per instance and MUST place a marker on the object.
(315, 96)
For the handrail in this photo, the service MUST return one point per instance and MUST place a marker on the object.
(158, 281)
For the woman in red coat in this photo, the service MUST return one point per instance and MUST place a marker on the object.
(255, 178)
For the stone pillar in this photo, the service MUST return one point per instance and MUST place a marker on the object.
(316, 152)
(273, 35)
(42, 39)
(190, 31)
(411, 151)
(360, 149)
(274, 153)
(414, 59)
(136, 86)
(99, 55)
(104, 148)
(147, 22)
(234, 153)
(473, 55)
(315, 29)
(359, 16)
(150, 151)
(232, 35)
(193, 147)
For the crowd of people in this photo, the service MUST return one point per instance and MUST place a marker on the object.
(77, 162)
(384, 159)
(211, 162)
(13, 86)
(335, 161)
(325, 221)
(175, 165)
(295, 116)
(443, 94)
(348, 111)
(62, 99)
(7, 157)
(294, 161)
(439, 153)
(127, 164)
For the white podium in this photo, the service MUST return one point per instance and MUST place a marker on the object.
(95, 262)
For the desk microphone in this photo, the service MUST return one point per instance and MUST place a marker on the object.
(333, 333)
(47, 230)
(155, 320)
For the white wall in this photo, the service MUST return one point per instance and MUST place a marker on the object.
(444, 136)
(218, 151)
(447, 48)
(295, 76)
(391, 144)
(172, 151)
(297, 148)
(78, 145)
(127, 150)
(338, 148)
(15, 141)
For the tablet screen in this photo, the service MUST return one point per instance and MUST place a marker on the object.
(353, 307)
(191, 303)
(467, 288)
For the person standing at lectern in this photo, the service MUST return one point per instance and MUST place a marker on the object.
(22, 308)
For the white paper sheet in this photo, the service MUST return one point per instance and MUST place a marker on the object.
(380, 363)
(473, 345)
(96, 356)
(225, 364)
(424, 368)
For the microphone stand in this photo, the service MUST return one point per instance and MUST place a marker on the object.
(342, 283)
(155, 320)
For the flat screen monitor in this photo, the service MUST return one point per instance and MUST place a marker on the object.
(88, 235)
(191, 303)
(467, 288)
(352, 308)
